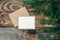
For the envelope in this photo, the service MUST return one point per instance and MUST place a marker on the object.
(15, 15)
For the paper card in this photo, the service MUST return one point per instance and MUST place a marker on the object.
(26, 22)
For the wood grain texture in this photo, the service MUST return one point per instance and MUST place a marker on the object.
(7, 7)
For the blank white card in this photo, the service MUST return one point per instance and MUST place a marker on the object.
(26, 22)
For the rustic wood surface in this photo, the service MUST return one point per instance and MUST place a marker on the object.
(7, 7)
